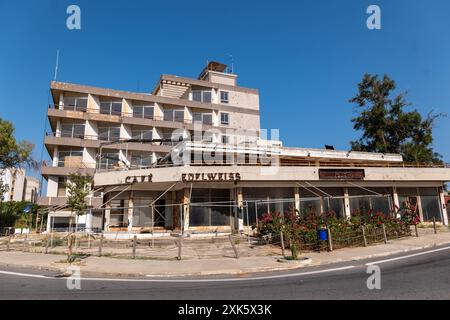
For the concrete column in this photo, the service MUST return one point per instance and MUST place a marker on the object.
(49, 223)
(175, 212)
(127, 108)
(395, 198)
(443, 206)
(347, 211)
(186, 209)
(107, 216)
(58, 128)
(55, 157)
(130, 212)
(297, 199)
(419, 205)
(158, 112)
(91, 130)
(61, 101)
(93, 104)
(216, 118)
(240, 201)
(89, 221)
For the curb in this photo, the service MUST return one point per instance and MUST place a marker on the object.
(382, 254)
(285, 266)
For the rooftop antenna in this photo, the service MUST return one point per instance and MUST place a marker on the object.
(57, 64)
(232, 63)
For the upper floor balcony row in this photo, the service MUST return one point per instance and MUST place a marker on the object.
(172, 91)
(144, 115)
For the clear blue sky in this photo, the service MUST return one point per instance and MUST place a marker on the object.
(306, 57)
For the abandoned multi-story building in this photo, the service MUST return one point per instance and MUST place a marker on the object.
(191, 157)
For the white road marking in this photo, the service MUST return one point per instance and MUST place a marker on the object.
(183, 281)
(407, 257)
(26, 275)
(291, 275)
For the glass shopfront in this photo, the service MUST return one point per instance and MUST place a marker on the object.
(210, 207)
(376, 200)
(430, 204)
(335, 203)
(263, 200)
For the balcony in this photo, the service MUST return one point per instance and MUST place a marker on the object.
(94, 202)
(67, 168)
(54, 139)
(125, 118)
(57, 139)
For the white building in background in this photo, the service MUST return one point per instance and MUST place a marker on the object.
(20, 186)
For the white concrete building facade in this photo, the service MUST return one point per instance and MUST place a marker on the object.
(191, 157)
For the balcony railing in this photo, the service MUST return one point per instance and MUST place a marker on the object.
(131, 115)
(97, 138)
(69, 164)
(71, 136)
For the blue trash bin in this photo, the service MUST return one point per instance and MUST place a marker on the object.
(322, 234)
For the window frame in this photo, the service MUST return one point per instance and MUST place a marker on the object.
(111, 111)
(140, 162)
(76, 106)
(222, 99)
(227, 138)
(202, 118)
(173, 116)
(142, 108)
(107, 163)
(227, 123)
(141, 134)
(202, 96)
(69, 153)
(72, 130)
(109, 134)
(61, 190)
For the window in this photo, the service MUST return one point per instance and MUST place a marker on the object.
(174, 115)
(141, 161)
(75, 103)
(109, 133)
(142, 134)
(197, 96)
(70, 159)
(108, 161)
(224, 118)
(225, 139)
(208, 137)
(224, 97)
(72, 130)
(61, 187)
(143, 111)
(201, 96)
(113, 108)
(201, 117)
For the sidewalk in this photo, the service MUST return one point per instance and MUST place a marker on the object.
(112, 267)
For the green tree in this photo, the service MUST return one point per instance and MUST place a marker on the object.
(78, 187)
(12, 214)
(386, 126)
(13, 153)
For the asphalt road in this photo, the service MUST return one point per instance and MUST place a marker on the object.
(412, 276)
